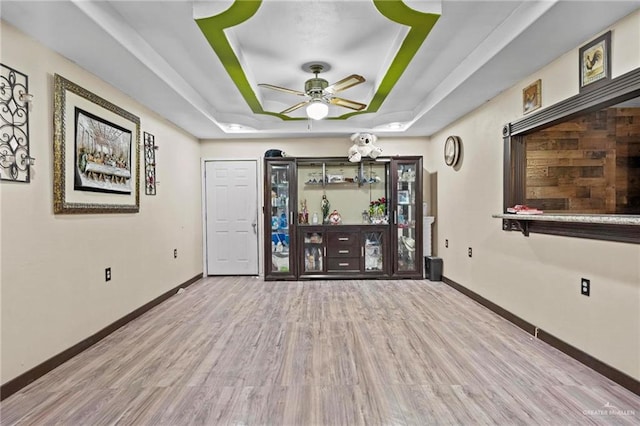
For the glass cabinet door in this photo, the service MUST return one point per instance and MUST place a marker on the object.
(313, 250)
(406, 175)
(373, 251)
(278, 220)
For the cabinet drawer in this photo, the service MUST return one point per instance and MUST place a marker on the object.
(339, 240)
(343, 264)
(345, 251)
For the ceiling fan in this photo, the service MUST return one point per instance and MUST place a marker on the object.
(320, 92)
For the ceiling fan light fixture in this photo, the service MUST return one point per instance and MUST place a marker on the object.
(317, 109)
(320, 93)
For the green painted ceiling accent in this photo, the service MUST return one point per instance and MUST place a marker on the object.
(240, 11)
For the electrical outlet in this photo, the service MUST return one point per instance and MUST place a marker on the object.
(470, 252)
(107, 274)
(585, 287)
(446, 243)
(175, 253)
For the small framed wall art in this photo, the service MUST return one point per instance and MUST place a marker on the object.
(149, 164)
(595, 62)
(532, 97)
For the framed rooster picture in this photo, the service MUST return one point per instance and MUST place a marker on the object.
(595, 62)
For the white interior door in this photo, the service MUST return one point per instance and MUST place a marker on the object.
(231, 191)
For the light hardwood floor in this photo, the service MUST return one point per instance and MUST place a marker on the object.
(238, 350)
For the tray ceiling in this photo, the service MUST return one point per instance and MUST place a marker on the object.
(422, 72)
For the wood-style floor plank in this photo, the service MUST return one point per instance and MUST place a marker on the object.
(240, 351)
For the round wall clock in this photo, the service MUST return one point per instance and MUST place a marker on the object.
(452, 150)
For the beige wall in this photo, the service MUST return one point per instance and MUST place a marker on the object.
(538, 278)
(248, 149)
(307, 147)
(53, 292)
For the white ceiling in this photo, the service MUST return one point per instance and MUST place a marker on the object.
(155, 51)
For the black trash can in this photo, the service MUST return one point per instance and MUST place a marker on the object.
(433, 268)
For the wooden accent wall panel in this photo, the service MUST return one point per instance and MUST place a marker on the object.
(628, 161)
(586, 165)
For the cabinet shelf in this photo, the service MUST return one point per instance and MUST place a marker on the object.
(406, 226)
(330, 183)
(345, 183)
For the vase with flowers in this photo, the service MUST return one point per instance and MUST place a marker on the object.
(378, 211)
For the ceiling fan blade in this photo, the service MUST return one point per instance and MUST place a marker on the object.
(282, 89)
(348, 104)
(295, 107)
(345, 83)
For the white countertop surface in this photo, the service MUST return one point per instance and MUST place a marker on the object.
(575, 218)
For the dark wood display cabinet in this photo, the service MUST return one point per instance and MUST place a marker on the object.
(349, 251)
(406, 199)
(332, 219)
(279, 247)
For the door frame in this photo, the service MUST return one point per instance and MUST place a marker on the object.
(259, 203)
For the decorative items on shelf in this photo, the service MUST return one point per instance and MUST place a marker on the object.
(373, 252)
(315, 179)
(271, 153)
(363, 146)
(280, 252)
(409, 243)
(378, 211)
(303, 216)
(313, 259)
(335, 218)
(325, 205)
(150, 164)
(335, 178)
(523, 209)
(378, 207)
(15, 102)
(406, 175)
(403, 197)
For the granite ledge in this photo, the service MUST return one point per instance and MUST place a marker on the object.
(580, 218)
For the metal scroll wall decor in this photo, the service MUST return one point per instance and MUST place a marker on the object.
(15, 161)
(149, 164)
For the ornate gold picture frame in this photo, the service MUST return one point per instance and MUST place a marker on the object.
(96, 151)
